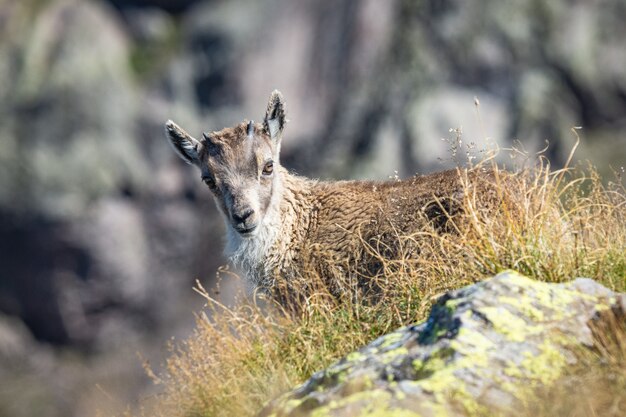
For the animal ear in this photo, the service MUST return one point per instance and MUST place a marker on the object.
(183, 143)
(275, 120)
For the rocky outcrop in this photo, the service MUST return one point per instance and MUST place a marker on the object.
(67, 129)
(480, 348)
(92, 219)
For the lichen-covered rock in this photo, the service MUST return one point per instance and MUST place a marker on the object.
(479, 349)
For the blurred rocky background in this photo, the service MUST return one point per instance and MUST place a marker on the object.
(103, 230)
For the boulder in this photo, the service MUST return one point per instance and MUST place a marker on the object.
(69, 111)
(479, 350)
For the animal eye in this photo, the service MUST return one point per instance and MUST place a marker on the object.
(209, 181)
(268, 168)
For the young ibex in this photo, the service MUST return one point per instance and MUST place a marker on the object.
(277, 221)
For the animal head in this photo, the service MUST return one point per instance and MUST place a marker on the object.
(238, 164)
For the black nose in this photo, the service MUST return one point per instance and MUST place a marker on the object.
(240, 218)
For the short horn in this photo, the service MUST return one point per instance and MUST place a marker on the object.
(250, 128)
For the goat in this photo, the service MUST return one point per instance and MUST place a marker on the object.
(277, 221)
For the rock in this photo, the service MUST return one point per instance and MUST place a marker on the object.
(111, 229)
(70, 110)
(479, 349)
(93, 213)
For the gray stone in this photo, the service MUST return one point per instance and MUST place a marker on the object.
(70, 110)
(479, 350)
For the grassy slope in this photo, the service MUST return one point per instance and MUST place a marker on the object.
(565, 225)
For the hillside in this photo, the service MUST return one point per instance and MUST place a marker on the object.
(566, 225)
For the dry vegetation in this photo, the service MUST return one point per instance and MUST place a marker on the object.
(566, 224)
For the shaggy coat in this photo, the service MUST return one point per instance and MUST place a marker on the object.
(279, 224)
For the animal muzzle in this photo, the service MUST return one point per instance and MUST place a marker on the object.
(244, 221)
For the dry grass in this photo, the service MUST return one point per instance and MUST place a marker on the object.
(561, 225)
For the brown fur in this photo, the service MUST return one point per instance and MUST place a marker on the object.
(340, 223)
(302, 223)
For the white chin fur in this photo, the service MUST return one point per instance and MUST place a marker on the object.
(248, 252)
(249, 235)
(253, 254)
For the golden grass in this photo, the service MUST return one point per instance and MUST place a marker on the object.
(562, 225)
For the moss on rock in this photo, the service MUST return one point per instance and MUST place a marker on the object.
(481, 348)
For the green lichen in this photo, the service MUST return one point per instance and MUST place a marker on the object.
(557, 298)
(372, 403)
(469, 404)
(390, 339)
(468, 338)
(335, 374)
(433, 365)
(361, 383)
(523, 305)
(443, 368)
(453, 304)
(442, 380)
(514, 328)
(513, 370)
(391, 355)
(546, 366)
(441, 383)
(355, 357)
(436, 361)
(447, 389)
